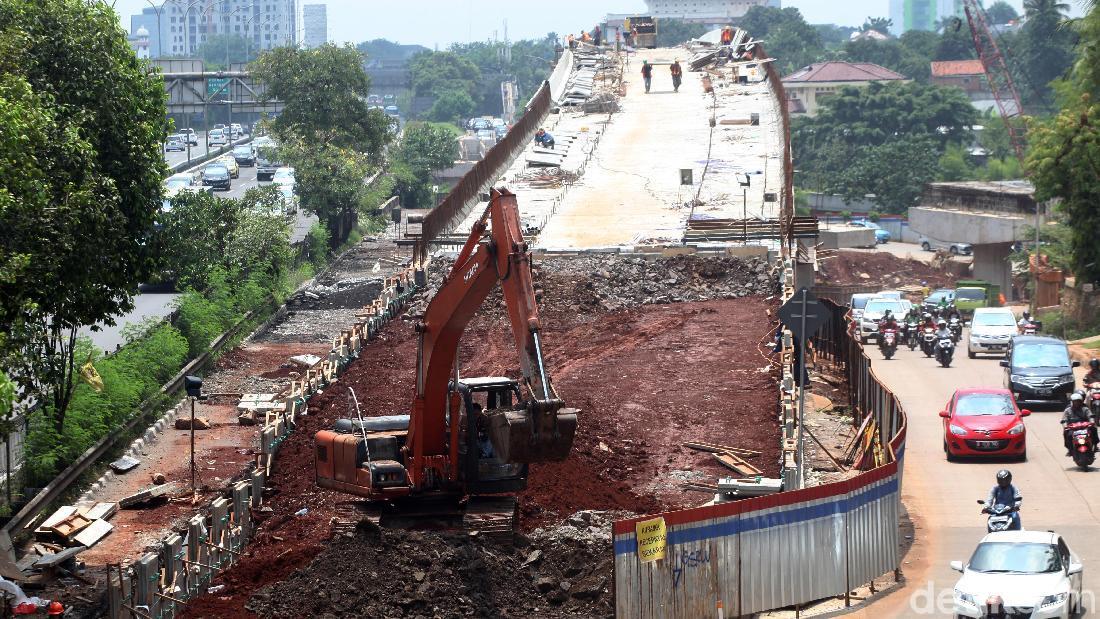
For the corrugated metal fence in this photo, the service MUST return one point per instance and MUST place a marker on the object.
(783, 550)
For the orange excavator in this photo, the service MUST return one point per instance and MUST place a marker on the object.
(466, 437)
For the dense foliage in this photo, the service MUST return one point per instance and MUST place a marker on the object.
(81, 124)
(425, 148)
(885, 139)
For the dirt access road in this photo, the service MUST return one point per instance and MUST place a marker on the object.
(940, 496)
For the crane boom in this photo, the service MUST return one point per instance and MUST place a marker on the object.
(1001, 84)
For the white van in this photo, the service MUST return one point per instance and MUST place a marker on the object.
(991, 330)
(859, 301)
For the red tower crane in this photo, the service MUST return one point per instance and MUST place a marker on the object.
(997, 74)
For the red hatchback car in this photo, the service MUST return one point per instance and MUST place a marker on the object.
(984, 422)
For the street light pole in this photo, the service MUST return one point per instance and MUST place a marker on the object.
(160, 32)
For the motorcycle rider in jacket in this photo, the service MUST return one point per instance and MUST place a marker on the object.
(1076, 412)
(1004, 493)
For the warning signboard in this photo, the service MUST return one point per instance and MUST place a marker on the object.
(652, 539)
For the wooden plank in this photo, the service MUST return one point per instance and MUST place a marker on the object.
(70, 526)
(56, 517)
(93, 533)
(716, 448)
(736, 464)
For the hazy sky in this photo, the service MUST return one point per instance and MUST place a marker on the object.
(441, 22)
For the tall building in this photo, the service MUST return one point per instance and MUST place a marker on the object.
(314, 25)
(705, 11)
(180, 27)
(922, 14)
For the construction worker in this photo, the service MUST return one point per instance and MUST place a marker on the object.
(544, 139)
(677, 74)
(571, 42)
(647, 74)
(585, 37)
(727, 35)
(597, 35)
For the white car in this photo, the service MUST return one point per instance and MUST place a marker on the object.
(283, 176)
(1032, 573)
(929, 244)
(873, 312)
(858, 302)
(217, 137)
(991, 330)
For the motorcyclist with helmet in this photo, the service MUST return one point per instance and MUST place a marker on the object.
(941, 329)
(1093, 375)
(887, 322)
(1076, 412)
(1004, 493)
(1025, 320)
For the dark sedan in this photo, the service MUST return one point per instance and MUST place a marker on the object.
(216, 175)
(244, 156)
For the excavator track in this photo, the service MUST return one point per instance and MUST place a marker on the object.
(350, 514)
(492, 516)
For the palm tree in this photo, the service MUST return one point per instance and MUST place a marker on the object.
(881, 24)
(1045, 9)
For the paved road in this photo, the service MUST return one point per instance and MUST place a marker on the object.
(909, 250)
(941, 496)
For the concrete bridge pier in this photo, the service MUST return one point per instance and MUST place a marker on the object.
(992, 265)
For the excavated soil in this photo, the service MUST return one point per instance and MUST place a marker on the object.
(885, 270)
(645, 378)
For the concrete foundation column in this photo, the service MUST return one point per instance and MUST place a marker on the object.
(991, 264)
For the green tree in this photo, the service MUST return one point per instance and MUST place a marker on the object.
(955, 41)
(673, 32)
(1044, 49)
(218, 47)
(433, 73)
(428, 147)
(885, 139)
(81, 147)
(451, 106)
(203, 234)
(787, 37)
(1001, 12)
(331, 182)
(954, 164)
(324, 93)
(1064, 152)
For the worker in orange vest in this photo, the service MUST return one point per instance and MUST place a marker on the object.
(727, 35)
(677, 74)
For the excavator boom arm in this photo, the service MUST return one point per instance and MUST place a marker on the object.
(531, 435)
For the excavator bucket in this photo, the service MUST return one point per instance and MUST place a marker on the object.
(523, 437)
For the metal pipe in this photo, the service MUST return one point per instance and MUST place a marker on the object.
(542, 368)
(802, 396)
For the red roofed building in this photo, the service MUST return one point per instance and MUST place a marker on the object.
(808, 86)
(965, 74)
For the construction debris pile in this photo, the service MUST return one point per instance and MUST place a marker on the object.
(594, 84)
(885, 270)
(563, 571)
(609, 282)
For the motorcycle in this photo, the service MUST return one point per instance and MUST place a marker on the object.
(888, 342)
(1092, 398)
(912, 334)
(927, 341)
(1081, 444)
(945, 349)
(1029, 328)
(1000, 517)
(956, 327)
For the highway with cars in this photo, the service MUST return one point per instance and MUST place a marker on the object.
(941, 496)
